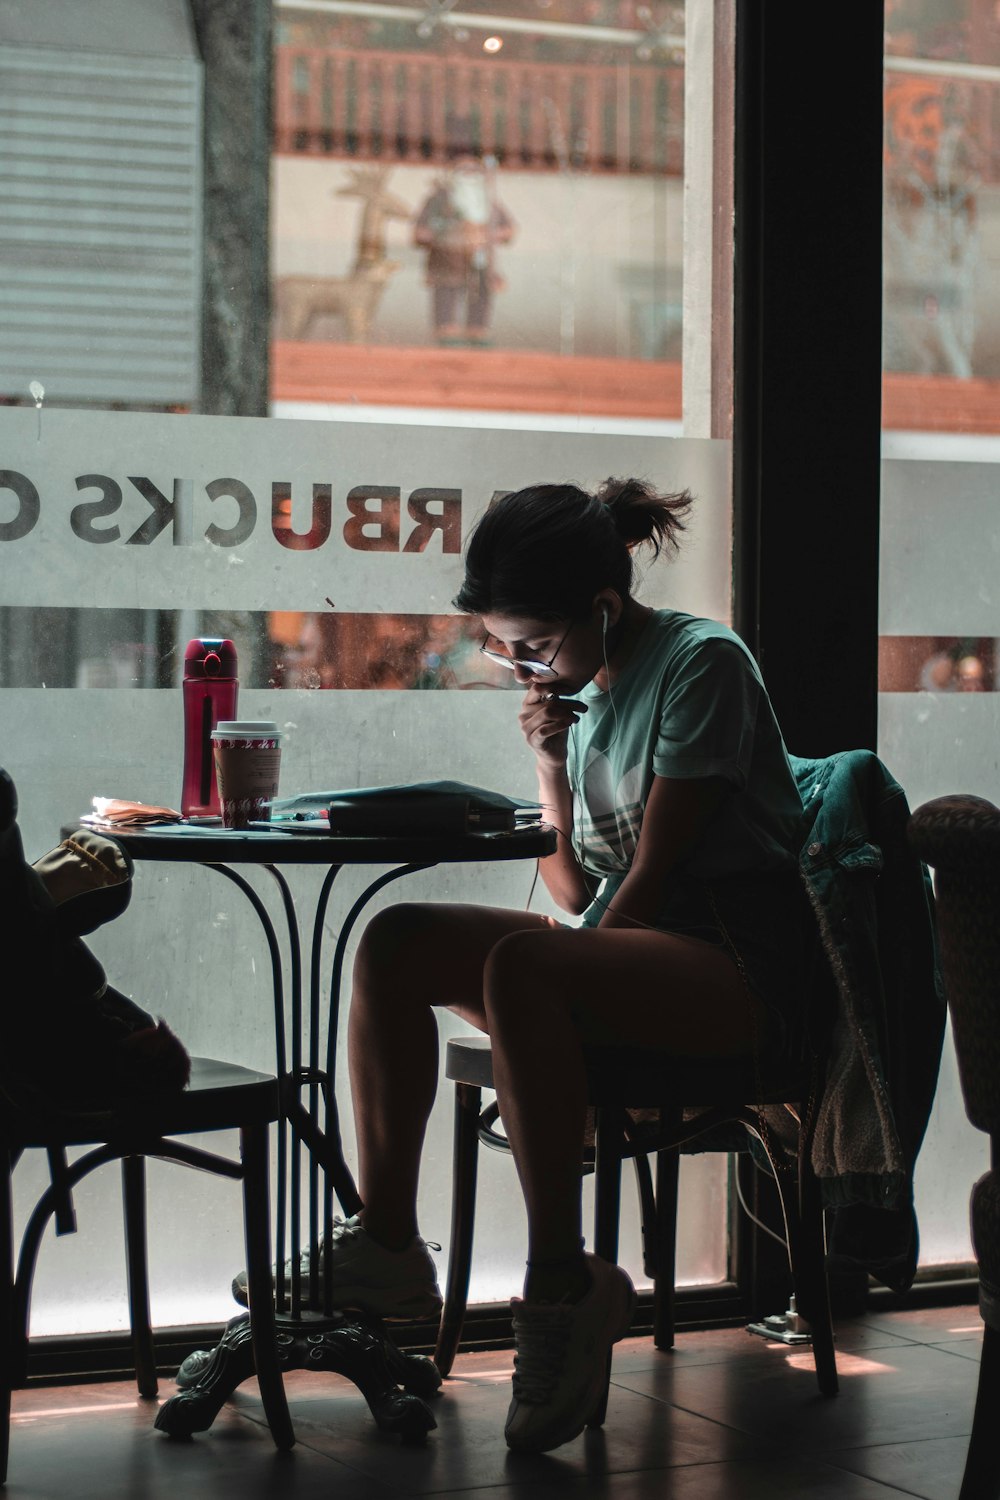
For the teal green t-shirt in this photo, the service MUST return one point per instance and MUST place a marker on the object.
(690, 703)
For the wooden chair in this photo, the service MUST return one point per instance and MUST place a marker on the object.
(620, 1078)
(960, 837)
(859, 869)
(220, 1096)
(35, 1114)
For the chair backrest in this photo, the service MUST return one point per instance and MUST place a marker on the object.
(959, 836)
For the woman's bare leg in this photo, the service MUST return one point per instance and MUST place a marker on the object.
(549, 992)
(412, 958)
(540, 991)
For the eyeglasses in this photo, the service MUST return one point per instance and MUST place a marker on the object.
(536, 668)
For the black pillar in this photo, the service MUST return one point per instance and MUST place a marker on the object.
(807, 406)
(234, 38)
(807, 409)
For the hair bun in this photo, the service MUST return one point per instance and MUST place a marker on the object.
(641, 514)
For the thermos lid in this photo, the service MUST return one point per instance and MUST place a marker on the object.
(209, 656)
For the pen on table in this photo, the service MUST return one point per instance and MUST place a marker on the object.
(292, 817)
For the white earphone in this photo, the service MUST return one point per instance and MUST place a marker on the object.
(605, 621)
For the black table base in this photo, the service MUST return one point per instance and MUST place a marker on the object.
(350, 1344)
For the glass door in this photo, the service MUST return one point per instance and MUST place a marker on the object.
(939, 624)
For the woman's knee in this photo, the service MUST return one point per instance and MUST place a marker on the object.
(522, 979)
(394, 941)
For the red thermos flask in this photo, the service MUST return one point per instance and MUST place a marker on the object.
(210, 689)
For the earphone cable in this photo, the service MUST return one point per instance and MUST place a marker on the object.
(597, 901)
(607, 668)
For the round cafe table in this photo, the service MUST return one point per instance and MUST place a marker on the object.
(311, 1168)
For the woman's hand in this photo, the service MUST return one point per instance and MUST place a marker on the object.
(546, 720)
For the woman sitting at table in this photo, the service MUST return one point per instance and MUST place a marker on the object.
(662, 768)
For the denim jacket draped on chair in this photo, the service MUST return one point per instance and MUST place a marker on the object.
(873, 901)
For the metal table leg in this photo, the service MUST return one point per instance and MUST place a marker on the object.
(350, 1343)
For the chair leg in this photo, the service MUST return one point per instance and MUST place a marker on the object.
(667, 1176)
(609, 1138)
(981, 1480)
(465, 1172)
(812, 1290)
(260, 1285)
(607, 1182)
(65, 1214)
(6, 1308)
(137, 1267)
(802, 1210)
(647, 1213)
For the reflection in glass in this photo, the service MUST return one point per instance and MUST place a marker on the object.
(506, 179)
(133, 648)
(352, 651)
(938, 719)
(575, 123)
(938, 664)
(942, 174)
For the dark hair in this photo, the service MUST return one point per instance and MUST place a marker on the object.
(545, 551)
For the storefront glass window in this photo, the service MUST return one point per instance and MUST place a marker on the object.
(939, 667)
(499, 254)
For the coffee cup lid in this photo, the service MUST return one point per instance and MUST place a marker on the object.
(246, 729)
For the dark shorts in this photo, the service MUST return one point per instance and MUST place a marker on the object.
(764, 921)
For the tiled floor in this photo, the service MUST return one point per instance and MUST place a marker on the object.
(723, 1417)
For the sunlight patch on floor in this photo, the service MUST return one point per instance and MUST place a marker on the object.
(36, 1414)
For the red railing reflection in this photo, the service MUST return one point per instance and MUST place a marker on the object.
(399, 107)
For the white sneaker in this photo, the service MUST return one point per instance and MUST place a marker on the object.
(394, 1284)
(560, 1361)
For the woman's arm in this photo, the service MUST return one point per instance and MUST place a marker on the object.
(567, 883)
(675, 817)
(545, 723)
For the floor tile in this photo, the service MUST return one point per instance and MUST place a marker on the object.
(722, 1345)
(931, 1325)
(886, 1395)
(106, 1446)
(468, 1449)
(932, 1470)
(857, 1334)
(967, 1348)
(724, 1416)
(747, 1479)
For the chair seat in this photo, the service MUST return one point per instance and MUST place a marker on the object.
(220, 1095)
(637, 1077)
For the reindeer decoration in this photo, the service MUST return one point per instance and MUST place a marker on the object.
(354, 297)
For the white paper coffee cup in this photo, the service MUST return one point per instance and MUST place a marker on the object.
(247, 763)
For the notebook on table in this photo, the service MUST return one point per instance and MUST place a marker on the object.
(453, 807)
